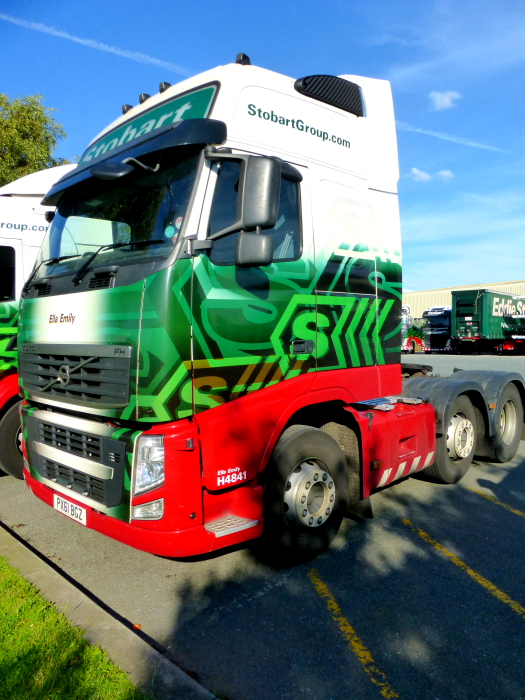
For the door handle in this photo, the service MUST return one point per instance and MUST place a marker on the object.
(302, 347)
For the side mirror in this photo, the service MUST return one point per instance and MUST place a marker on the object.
(259, 192)
(253, 250)
(49, 216)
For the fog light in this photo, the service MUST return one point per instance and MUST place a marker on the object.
(149, 463)
(149, 511)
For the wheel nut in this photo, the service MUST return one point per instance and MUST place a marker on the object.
(311, 521)
(332, 498)
(307, 486)
(316, 476)
(319, 521)
(325, 476)
(303, 499)
(305, 512)
(330, 484)
(327, 511)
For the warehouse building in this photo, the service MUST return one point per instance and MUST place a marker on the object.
(421, 301)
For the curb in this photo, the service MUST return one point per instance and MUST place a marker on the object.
(147, 668)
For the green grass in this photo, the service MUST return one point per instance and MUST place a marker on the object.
(44, 657)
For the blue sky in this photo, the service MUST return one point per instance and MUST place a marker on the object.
(457, 73)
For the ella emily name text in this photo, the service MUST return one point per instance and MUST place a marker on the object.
(63, 318)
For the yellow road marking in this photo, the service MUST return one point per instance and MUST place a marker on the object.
(495, 500)
(488, 585)
(354, 642)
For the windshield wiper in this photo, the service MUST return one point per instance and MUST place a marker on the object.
(54, 261)
(82, 271)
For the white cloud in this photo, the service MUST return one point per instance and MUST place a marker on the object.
(97, 45)
(422, 176)
(403, 126)
(419, 175)
(443, 100)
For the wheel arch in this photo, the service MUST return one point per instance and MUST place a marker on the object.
(493, 383)
(441, 394)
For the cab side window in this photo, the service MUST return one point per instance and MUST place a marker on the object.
(7, 273)
(286, 233)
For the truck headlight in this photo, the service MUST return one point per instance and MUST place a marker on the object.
(149, 463)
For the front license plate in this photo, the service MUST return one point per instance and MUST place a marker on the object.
(70, 509)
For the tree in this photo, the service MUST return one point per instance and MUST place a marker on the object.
(28, 137)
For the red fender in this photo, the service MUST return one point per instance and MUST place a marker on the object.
(8, 389)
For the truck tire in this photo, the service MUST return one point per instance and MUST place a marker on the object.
(11, 460)
(305, 495)
(456, 448)
(509, 425)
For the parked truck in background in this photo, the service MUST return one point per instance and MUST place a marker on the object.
(210, 342)
(411, 332)
(22, 229)
(436, 328)
(484, 320)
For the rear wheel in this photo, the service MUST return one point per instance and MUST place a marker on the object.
(305, 496)
(509, 424)
(11, 460)
(455, 449)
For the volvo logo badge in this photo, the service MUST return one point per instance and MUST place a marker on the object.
(63, 375)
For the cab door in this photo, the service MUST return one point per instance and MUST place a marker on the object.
(11, 281)
(249, 323)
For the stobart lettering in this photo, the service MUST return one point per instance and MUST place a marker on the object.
(195, 105)
(64, 318)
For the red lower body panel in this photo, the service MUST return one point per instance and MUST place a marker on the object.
(182, 543)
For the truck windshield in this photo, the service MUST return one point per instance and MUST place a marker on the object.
(438, 321)
(120, 218)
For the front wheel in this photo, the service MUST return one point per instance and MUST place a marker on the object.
(456, 448)
(509, 425)
(306, 487)
(11, 460)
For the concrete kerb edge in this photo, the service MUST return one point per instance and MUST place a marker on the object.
(146, 667)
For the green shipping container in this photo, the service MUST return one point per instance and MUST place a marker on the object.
(487, 315)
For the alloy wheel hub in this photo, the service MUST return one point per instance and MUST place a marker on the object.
(309, 495)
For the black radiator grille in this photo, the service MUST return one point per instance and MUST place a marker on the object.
(72, 441)
(81, 377)
(78, 482)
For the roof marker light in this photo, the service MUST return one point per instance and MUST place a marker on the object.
(164, 86)
(143, 97)
(126, 108)
(243, 60)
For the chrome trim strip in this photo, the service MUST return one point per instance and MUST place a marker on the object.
(86, 466)
(37, 398)
(64, 421)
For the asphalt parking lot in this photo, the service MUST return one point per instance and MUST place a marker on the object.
(425, 601)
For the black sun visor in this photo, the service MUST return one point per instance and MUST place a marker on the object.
(200, 132)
